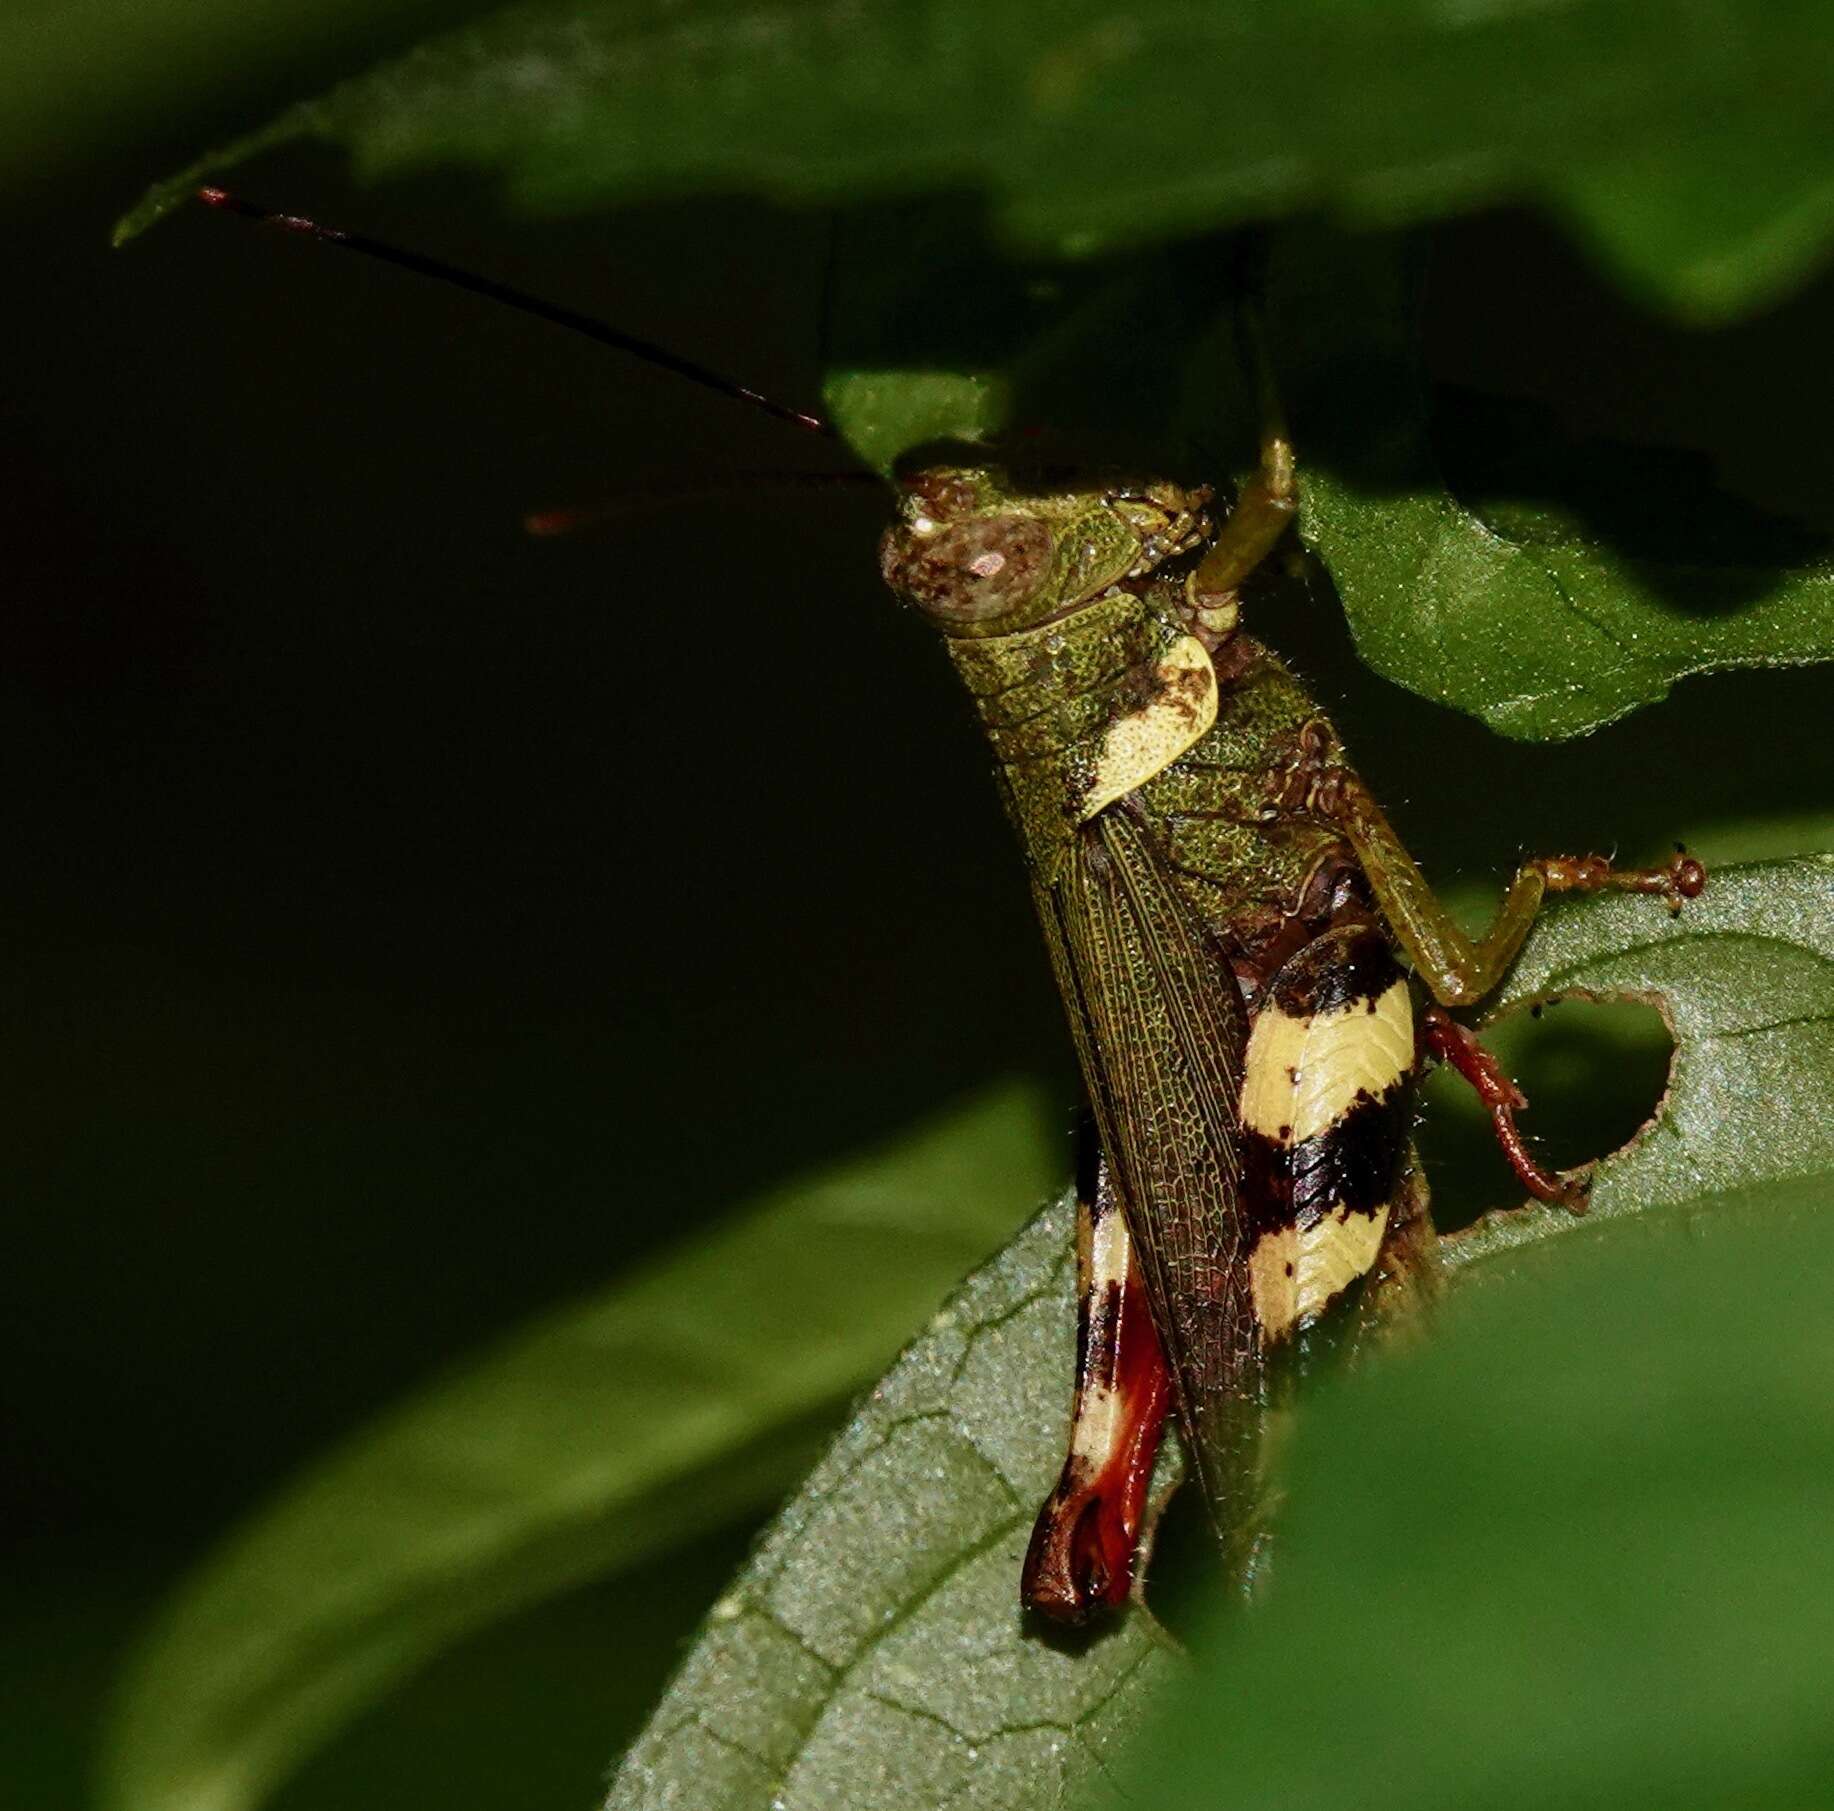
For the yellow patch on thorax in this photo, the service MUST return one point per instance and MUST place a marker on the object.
(1177, 716)
(1302, 1074)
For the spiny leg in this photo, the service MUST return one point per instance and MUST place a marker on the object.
(1088, 1532)
(1459, 969)
(1263, 509)
(1458, 1047)
(1252, 531)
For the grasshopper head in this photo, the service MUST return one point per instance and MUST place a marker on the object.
(980, 557)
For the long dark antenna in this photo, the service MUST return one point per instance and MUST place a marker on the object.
(585, 324)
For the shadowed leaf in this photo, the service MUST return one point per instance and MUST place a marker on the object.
(676, 1401)
(1601, 1574)
(1514, 608)
(1089, 129)
(1517, 606)
(1604, 1484)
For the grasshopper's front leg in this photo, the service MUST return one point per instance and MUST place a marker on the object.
(1457, 969)
(1254, 528)
(1087, 1535)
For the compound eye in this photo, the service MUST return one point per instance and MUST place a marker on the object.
(973, 571)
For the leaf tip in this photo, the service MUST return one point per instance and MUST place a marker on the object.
(883, 415)
(151, 208)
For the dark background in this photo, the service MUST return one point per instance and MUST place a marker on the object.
(388, 957)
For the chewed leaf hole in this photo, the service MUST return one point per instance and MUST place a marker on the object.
(1593, 1073)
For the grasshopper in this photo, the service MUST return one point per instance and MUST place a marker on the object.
(1228, 915)
(1227, 911)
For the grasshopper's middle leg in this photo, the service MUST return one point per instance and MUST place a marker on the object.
(1088, 1532)
(1459, 970)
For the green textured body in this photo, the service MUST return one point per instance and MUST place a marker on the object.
(1160, 767)
(1226, 909)
(1047, 696)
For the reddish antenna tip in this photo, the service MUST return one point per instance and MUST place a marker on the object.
(224, 202)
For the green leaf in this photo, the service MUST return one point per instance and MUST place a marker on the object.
(1571, 1552)
(937, 335)
(1514, 607)
(1518, 607)
(883, 414)
(1086, 129)
(1026, 129)
(688, 1395)
(873, 1654)
(139, 63)
(886, 413)
(1545, 630)
(1744, 976)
